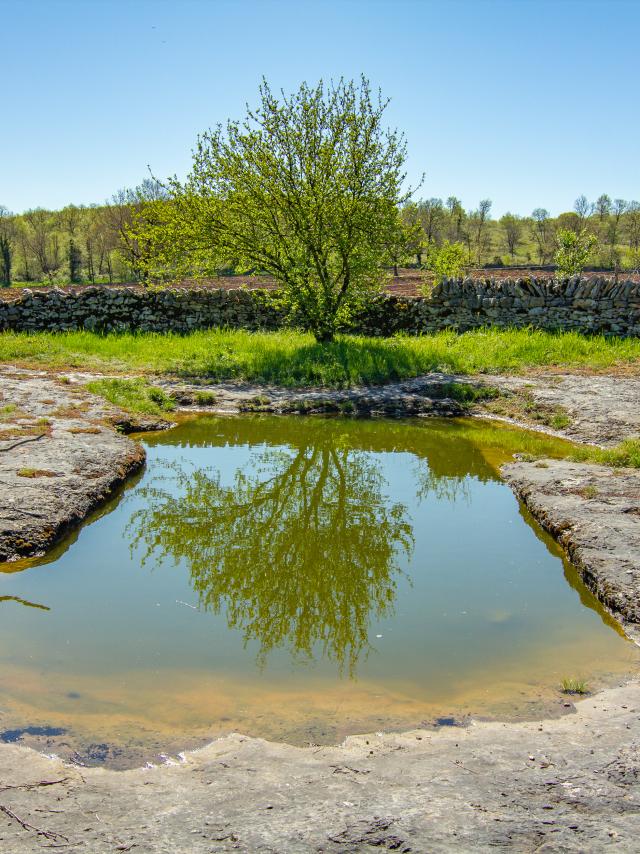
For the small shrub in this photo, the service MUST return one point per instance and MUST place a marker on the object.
(205, 398)
(447, 261)
(589, 491)
(574, 686)
(574, 251)
(468, 393)
(560, 420)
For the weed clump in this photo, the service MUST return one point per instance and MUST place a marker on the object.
(133, 395)
(574, 686)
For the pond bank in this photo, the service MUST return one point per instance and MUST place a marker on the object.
(564, 785)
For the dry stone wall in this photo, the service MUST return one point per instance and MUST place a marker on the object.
(593, 305)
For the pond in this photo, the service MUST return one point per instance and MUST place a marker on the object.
(298, 579)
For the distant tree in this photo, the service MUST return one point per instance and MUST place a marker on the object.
(542, 231)
(603, 206)
(480, 238)
(412, 221)
(6, 246)
(70, 219)
(43, 241)
(402, 241)
(512, 228)
(75, 262)
(456, 217)
(574, 251)
(583, 208)
(432, 218)
(307, 188)
(569, 221)
(633, 225)
(612, 235)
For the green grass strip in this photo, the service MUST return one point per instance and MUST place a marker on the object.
(290, 358)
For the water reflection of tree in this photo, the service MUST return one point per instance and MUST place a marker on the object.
(301, 550)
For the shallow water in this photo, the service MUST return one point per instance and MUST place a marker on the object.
(299, 579)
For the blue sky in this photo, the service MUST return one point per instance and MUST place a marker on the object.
(527, 103)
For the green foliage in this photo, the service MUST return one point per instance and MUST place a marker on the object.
(624, 455)
(448, 261)
(304, 552)
(306, 187)
(574, 251)
(574, 686)
(133, 395)
(293, 358)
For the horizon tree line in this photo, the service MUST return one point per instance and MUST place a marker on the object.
(96, 243)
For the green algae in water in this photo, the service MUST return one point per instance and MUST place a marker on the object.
(303, 579)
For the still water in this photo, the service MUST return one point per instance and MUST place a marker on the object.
(298, 579)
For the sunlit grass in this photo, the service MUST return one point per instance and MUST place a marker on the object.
(624, 455)
(291, 358)
(133, 395)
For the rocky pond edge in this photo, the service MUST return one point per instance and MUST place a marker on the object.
(569, 784)
(74, 456)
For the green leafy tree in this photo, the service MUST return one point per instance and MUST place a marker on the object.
(6, 246)
(448, 261)
(306, 188)
(542, 232)
(574, 251)
(512, 230)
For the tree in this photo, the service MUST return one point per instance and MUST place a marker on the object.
(633, 225)
(617, 210)
(574, 251)
(479, 234)
(306, 188)
(43, 240)
(512, 227)
(6, 246)
(448, 261)
(583, 207)
(431, 213)
(456, 216)
(412, 221)
(71, 217)
(404, 239)
(603, 206)
(542, 233)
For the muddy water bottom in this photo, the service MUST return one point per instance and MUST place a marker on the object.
(299, 580)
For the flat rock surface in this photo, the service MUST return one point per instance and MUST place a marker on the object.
(59, 459)
(566, 785)
(603, 410)
(594, 513)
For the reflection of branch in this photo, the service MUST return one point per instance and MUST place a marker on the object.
(24, 602)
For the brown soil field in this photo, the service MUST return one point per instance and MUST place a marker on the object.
(408, 282)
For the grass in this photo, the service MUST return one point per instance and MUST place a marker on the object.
(624, 455)
(574, 686)
(290, 358)
(133, 395)
(522, 406)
